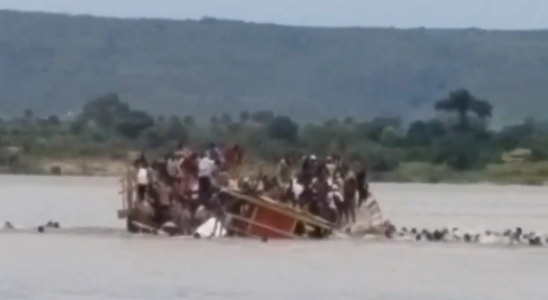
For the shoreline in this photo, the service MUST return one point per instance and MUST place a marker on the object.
(524, 174)
(99, 167)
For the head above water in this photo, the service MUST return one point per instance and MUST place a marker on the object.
(8, 225)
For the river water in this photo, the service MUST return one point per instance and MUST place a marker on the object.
(95, 259)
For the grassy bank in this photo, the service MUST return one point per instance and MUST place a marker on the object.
(455, 146)
(29, 165)
(522, 173)
(519, 173)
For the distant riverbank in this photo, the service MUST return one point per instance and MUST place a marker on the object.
(66, 167)
(516, 173)
(525, 173)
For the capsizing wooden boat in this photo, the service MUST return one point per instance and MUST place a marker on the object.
(243, 216)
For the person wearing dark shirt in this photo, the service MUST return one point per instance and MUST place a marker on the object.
(214, 153)
(361, 177)
(307, 169)
(141, 161)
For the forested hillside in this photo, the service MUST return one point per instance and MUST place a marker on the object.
(53, 64)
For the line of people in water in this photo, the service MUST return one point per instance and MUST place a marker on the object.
(516, 236)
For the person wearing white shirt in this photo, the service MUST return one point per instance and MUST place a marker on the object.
(142, 182)
(172, 167)
(206, 170)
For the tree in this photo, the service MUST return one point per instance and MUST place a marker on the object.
(349, 121)
(28, 114)
(372, 130)
(331, 123)
(53, 120)
(160, 119)
(390, 137)
(417, 133)
(375, 157)
(133, 123)
(226, 119)
(262, 116)
(283, 128)
(105, 111)
(510, 137)
(175, 130)
(150, 138)
(422, 133)
(463, 102)
(235, 128)
(189, 121)
(244, 116)
(459, 151)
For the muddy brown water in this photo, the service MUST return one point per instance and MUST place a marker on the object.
(95, 259)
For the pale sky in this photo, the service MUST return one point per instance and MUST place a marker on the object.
(493, 14)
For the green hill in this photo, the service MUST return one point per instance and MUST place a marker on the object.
(54, 63)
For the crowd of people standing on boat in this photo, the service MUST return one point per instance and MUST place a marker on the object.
(185, 175)
(329, 187)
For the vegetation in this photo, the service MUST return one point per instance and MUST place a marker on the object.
(52, 63)
(457, 145)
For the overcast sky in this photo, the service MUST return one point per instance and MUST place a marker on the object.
(500, 14)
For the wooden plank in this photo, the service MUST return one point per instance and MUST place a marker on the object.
(288, 235)
(281, 209)
(304, 216)
(272, 218)
(294, 225)
(255, 208)
(149, 228)
(296, 210)
(299, 212)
